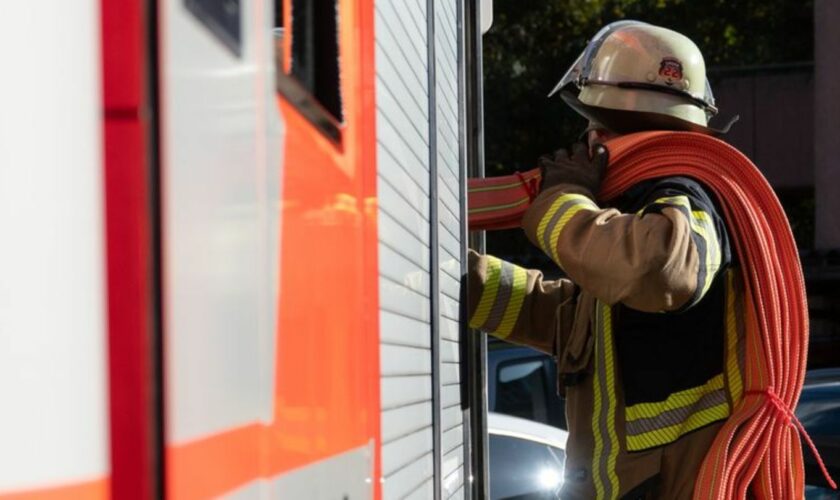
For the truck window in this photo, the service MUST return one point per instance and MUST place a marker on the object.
(307, 61)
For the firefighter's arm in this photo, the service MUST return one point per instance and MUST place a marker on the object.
(662, 258)
(517, 304)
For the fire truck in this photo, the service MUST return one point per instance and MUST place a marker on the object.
(233, 238)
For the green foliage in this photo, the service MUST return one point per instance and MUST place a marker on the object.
(533, 42)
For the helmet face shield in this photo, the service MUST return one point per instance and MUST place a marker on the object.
(597, 41)
(579, 71)
(658, 71)
(571, 77)
(709, 98)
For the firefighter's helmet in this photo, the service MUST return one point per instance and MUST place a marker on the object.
(634, 76)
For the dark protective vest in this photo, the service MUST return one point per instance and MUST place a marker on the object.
(670, 362)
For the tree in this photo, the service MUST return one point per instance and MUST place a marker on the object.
(533, 42)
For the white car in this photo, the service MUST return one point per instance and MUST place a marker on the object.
(526, 458)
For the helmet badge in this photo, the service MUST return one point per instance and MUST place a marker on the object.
(671, 69)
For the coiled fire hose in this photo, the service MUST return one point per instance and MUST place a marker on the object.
(757, 449)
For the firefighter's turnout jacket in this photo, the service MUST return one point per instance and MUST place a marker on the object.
(647, 330)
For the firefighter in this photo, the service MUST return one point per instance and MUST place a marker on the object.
(647, 326)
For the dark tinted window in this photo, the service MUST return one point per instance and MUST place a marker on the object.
(819, 493)
(819, 412)
(517, 387)
(522, 389)
(315, 51)
(522, 469)
(310, 79)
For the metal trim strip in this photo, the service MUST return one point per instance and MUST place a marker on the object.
(434, 252)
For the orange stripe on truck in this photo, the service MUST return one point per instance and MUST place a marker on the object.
(97, 489)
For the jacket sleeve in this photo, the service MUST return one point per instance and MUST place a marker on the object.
(518, 305)
(661, 258)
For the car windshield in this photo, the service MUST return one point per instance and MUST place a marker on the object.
(520, 468)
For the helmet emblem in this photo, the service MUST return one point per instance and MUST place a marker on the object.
(671, 70)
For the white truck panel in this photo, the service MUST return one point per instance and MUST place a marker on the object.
(53, 370)
(221, 179)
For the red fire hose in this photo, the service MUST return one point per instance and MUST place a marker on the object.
(758, 448)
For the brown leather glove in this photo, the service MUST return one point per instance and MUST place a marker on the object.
(578, 169)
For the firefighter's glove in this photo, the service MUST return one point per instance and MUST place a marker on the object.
(578, 168)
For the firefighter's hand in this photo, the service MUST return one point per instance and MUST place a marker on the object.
(578, 168)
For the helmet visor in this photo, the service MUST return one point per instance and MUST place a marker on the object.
(579, 74)
(571, 77)
(709, 99)
(579, 71)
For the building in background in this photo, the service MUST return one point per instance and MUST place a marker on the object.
(789, 127)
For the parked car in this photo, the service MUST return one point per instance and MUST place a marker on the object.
(526, 458)
(819, 412)
(522, 383)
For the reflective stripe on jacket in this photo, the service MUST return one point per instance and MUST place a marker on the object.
(649, 324)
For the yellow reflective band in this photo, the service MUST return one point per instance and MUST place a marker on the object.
(603, 416)
(676, 400)
(700, 230)
(564, 219)
(733, 368)
(555, 205)
(598, 451)
(517, 296)
(702, 224)
(556, 219)
(680, 201)
(667, 435)
(612, 458)
(488, 295)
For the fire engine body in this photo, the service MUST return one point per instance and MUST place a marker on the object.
(214, 285)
